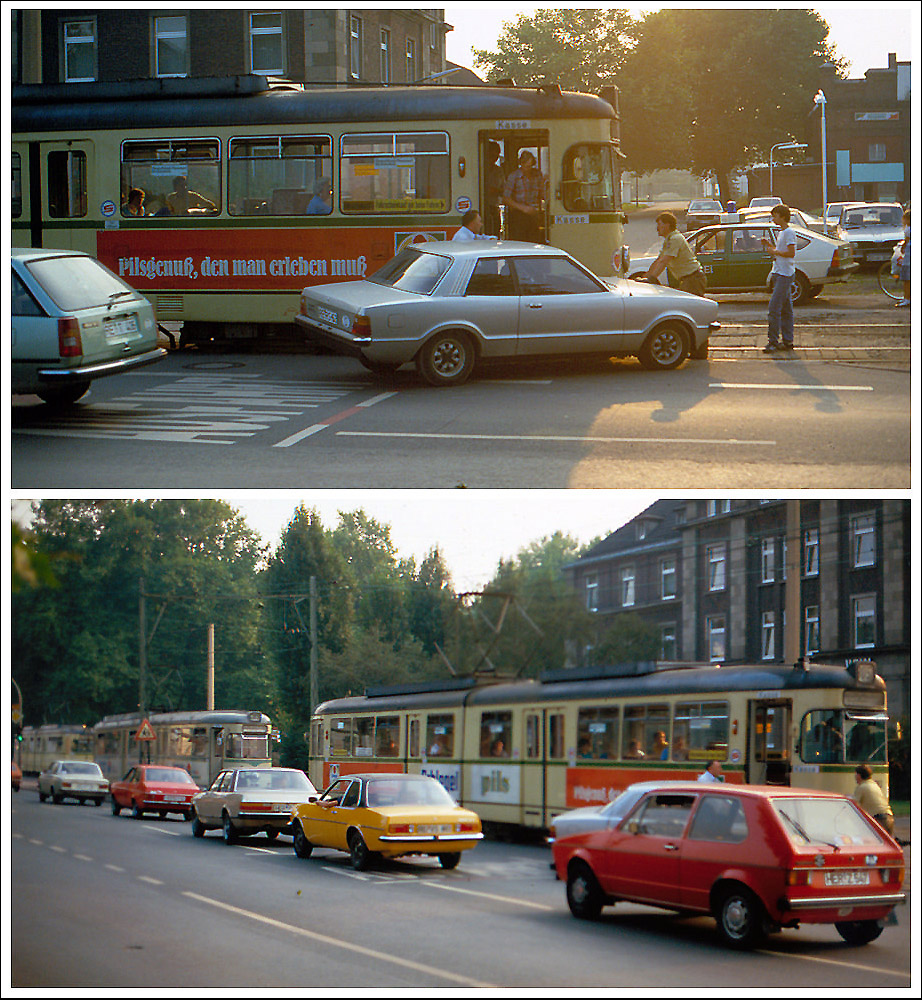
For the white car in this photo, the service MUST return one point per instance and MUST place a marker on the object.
(247, 800)
(834, 211)
(765, 201)
(607, 816)
(82, 780)
(74, 321)
(734, 260)
(873, 230)
(449, 306)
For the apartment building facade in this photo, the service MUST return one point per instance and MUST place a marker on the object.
(712, 576)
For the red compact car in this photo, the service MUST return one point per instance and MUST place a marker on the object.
(154, 788)
(757, 858)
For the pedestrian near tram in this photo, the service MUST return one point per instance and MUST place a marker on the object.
(676, 257)
(870, 796)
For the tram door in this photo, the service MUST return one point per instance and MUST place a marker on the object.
(498, 156)
(769, 744)
(543, 744)
(59, 175)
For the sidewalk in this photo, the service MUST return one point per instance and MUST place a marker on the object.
(889, 343)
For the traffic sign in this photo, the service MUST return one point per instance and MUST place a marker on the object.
(145, 732)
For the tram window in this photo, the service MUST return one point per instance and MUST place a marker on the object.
(16, 186)
(700, 730)
(532, 736)
(246, 746)
(181, 741)
(387, 735)
(395, 173)
(67, 184)
(364, 731)
(341, 737)
(588, 184)
(866, 740)
(496, 734)
(597, 733)
(280, 175)
(179, 178)
(821, 737)
(413, 749)
(440, 735)
(556, 747)
(645, 732)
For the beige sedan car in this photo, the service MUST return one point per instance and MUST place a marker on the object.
(248, 800)
(73, 779)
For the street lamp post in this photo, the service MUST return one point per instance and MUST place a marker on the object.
(820, 99)
(771, 159)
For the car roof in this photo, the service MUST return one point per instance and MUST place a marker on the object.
(395, 775)
(759, 791)
(30, 253)
(474, 248)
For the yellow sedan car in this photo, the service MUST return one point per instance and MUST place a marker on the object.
(385, 815)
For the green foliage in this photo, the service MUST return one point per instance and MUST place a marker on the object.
(629, 638)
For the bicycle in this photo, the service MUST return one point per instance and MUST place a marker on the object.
(890, 284)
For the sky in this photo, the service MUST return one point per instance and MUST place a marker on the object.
(862, 33)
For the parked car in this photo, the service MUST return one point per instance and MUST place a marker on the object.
(734, 260)
(82, 780)
(17, 776)
(74, 321)
(834, 211)
(765, 201)
(702, 212)
(155, 788)
(757, 858)
(873, 230)
(386, 815)
(447, 306)
(243, 801)
(798, 218)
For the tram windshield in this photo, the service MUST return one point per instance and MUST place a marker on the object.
(834, 736)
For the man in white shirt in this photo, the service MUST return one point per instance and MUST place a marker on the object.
(471, 227)
(713, 772)
(780, 305)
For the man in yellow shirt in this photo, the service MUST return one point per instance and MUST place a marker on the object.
(870, 796)
(676, 256)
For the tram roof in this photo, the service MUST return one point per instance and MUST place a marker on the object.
(646, 680)
(178, 104)
(217, 717)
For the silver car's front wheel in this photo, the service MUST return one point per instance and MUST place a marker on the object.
(664, 348)
(446, 359)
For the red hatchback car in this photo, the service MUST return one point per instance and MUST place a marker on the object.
(154, 788)
(757, 858)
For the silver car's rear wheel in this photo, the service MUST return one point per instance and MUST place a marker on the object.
(446, 359)
(664, 348)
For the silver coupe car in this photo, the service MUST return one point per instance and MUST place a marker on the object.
(447, 306)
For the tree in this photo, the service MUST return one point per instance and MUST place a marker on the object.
(581, 49)
(712, 90)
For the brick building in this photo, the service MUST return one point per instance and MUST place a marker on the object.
(364, 45)
(712, 577)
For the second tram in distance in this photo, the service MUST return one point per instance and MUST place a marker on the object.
(521, 752)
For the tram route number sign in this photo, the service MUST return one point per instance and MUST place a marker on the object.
(145, 732)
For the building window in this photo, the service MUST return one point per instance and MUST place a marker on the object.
(864, 616)
(385, 56)
(170, 46)
(768, 635)
(864, 542)
(668, 646)
(715, 507)
(768, 560)
(668, 578)
(79, 51)
(811, 552)
(877, 152)
(716, 627)
(355, 47)
(627, 587)
(811, 629)
(266, 43)
(717, 567)
(592, 592)
(411, 60)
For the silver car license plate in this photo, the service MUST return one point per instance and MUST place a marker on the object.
(326, 315)
(848, 878)
(121, 328)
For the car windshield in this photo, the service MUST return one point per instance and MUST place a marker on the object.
(80, 768)
(79, 282)
(412, 271)
(175, 775)
(384, 792)
(872, 215)
(268, 781)
(618, 808)
(705, 206)
(834, 822)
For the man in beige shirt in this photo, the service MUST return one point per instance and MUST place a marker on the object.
(870, 796)
(676, 256)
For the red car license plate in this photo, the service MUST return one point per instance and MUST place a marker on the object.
(848, 878)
